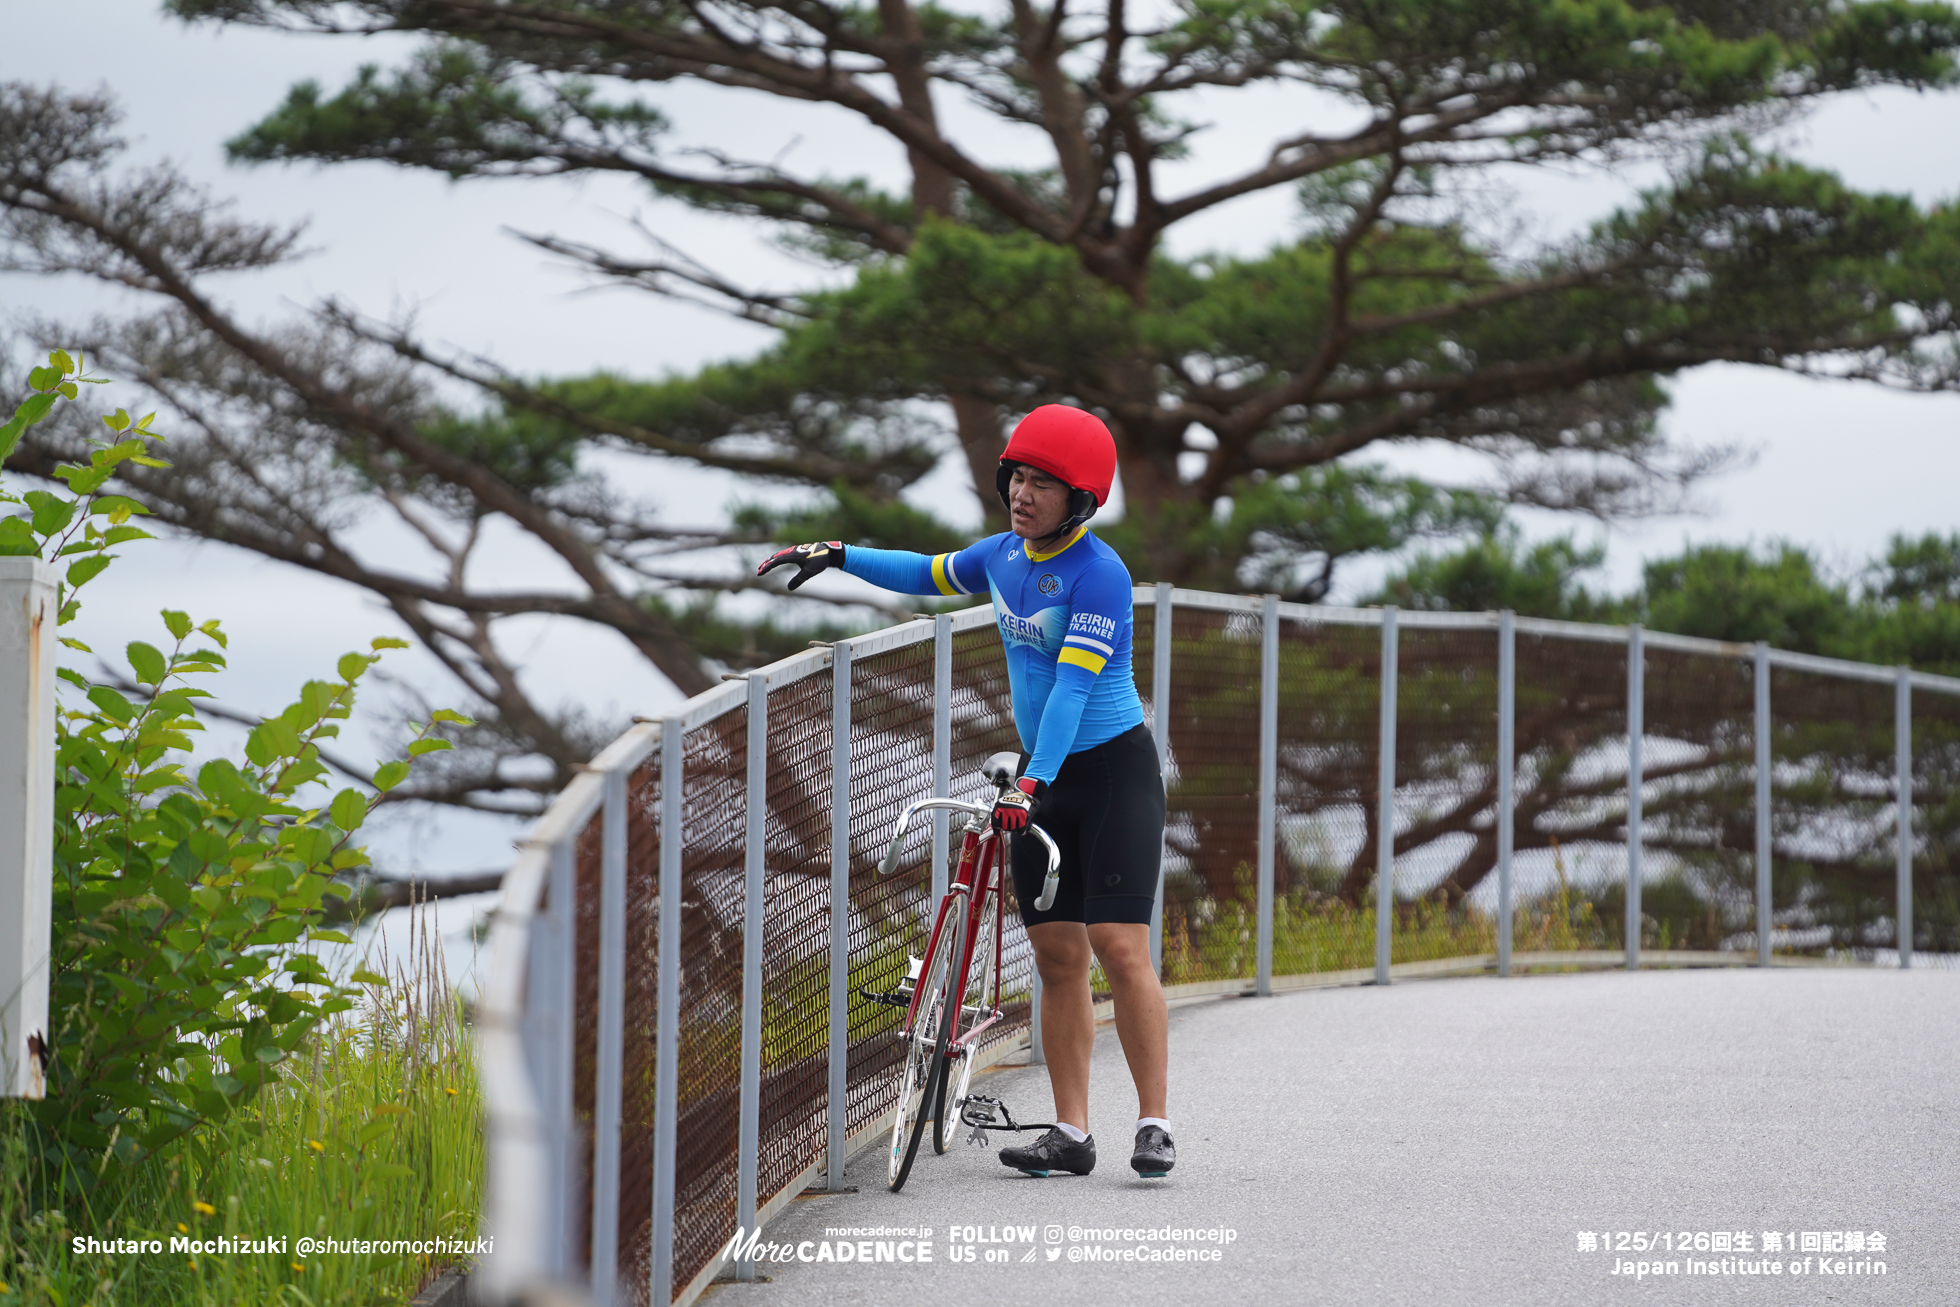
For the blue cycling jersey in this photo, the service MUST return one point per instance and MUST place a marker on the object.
(1064, 619)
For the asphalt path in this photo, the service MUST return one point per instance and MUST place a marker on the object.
(1453, 1142)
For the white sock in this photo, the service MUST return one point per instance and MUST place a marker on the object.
(1157, 1121)
(1077, 1135)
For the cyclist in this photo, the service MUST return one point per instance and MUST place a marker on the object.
(1062, 600)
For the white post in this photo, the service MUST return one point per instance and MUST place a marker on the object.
(27, 643)
(1636, 784)
(609, 1083)
(1268, 789)
(1160, 727)
(1385, 843)
(755, 831)
(667, 1006)
(837, 1100)
(1765, 842)
(1902, 748)
(1507, 749)
(942, 753)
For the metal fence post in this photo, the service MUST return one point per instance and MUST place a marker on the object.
(607, 1085)
(1160, 707)
(837, 1117)
(1902, 746)
(1765, 848)
(1636, 777)
(942, 748)
(667, 1008)
(1385, 835)
(1268, 787)
(1507, 748)
(755, 831)
(552, 1043)
(1036, 1055)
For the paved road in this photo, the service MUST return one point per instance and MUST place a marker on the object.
(1445, 1142)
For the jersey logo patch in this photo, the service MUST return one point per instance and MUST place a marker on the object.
(1042, 630)
(1049, 584)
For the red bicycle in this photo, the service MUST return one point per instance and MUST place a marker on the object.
(951, 996)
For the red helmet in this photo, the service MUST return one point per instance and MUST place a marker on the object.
(1069, 444)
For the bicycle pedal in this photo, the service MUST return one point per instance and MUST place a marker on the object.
(899, 999)
(979, 1136)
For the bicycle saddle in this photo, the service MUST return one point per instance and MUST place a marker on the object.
(999, 770)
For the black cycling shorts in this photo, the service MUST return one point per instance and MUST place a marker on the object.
(1105, 812)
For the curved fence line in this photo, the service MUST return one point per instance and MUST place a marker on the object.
(668, 1036)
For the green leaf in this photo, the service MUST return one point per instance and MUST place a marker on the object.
(446, 715)
(420, 747)
(348, 810)
(51, 515)
(117, 535)
(17, 539)
(352, 665)
(84, 570)
(362, 976)
(210, 848)
(111, 504)
(387, 642)
(113, 705)
(148, 662)
(390, 774)
(277, 735)
(33, 410)
(86, 480)
(117, 421)
(179, 623)
(328, 937)
(44, 378)
(61, 360)
(372, 1131)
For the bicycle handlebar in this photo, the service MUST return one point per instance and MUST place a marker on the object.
(978, 810)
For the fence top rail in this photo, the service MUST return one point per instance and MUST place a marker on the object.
(572, 808)
(916, 631)
(1798, 662)
(579, 800)
(1934, 682)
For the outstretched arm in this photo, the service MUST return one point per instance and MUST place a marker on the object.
(961, 573)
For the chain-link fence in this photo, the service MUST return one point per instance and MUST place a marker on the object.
(673, 1046)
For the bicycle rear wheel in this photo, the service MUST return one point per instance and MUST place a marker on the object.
(977, 998)
(925, 1045)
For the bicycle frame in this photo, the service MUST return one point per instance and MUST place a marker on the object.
(990, 868)
(941, 1033)
(982, 870)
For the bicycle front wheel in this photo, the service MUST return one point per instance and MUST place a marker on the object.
(977, 998)
(925, 1061)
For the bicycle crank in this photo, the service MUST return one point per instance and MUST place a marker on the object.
(984, 1114)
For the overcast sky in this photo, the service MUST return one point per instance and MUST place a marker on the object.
(1836, 467)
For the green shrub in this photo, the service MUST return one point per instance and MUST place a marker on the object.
(183, 987)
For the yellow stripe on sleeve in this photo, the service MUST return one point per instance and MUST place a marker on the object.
(1082, 658)
(939, 577)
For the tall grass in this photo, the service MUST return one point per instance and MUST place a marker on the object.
(373, 1133)
(1214, 938)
